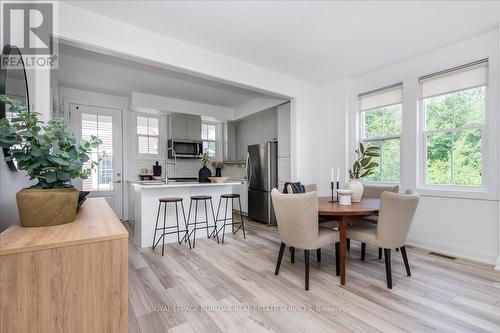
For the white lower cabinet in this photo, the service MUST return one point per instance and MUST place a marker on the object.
(242, 190)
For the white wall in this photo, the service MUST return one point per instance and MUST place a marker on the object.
(322, 135)
(460, 224)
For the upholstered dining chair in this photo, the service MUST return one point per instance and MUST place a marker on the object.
(394, 221)
(297, 217)
(373, 191)
(308, 188)
(323, 221)
(311, 188)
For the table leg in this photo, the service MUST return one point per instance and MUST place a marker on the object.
(342, 247)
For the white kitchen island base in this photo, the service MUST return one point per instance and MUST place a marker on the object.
(146, 200)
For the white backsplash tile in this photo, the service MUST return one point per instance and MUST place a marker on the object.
(186, 168)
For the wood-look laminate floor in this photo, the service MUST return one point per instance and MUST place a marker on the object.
(232, 288)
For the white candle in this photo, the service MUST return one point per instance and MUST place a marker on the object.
(332, 175)
(338, 174)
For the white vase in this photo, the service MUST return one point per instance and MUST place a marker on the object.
(357, 190)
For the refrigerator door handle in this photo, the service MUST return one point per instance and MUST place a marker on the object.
(249, 168)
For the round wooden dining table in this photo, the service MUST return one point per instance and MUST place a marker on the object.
(342, 213)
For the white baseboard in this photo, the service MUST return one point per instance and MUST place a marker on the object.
(455, 250)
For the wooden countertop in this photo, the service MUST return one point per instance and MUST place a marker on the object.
(94, 222)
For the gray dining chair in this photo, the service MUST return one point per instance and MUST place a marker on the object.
(325, 222)
(394, 221)
(298, 227)
(373, 191)
(308, 188)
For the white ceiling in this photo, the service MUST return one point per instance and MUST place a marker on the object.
(315, 41)
(92, 71)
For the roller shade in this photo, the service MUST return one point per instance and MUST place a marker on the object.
(460, 78)
(381, 97)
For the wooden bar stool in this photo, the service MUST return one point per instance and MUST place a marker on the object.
(196, 199)
(241, 224)
(166, 201)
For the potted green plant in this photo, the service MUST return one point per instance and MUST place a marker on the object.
(362, 167)
(218, 165)
(205, 172)
(51, 156)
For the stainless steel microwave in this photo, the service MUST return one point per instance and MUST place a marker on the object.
(185, 148)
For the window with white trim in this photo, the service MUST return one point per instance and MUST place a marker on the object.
(454, 111)
(381, 126)
(148, 132)
(209, 135)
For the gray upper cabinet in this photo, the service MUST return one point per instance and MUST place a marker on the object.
(270, 127)
(194, 128)
(178, 127)
(253, 131)
(230, 141)
(242, 140)
(185, 127)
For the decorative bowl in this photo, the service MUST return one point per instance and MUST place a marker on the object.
(344, 197)
(218, 179)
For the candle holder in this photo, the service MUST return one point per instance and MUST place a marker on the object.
(334, 198)
(338, 184)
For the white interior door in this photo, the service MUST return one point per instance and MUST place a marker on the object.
(105, 123)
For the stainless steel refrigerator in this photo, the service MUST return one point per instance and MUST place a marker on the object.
(262, 174)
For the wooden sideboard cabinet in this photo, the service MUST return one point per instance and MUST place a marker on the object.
(66, 278)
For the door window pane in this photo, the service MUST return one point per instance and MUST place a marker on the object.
(101, 126)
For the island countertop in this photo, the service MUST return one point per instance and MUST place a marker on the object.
(143, 186)
(147, 208)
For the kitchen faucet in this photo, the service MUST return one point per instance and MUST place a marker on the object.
(167, 163)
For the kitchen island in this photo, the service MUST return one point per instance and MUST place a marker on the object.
(145, 201)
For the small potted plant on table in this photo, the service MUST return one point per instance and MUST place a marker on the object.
(50, 156)
(362, 167)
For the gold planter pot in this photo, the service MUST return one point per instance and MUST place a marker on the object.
(46, 207)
